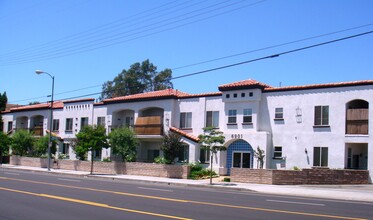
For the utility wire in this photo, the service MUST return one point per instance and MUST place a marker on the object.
(109, 42)
(248, 61)
(97, 30)
(270, 47)
(225, 57)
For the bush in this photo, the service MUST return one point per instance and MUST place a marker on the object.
(106, 159)
(197, 172)
(62, 156)
(227, 179)
(161, 160)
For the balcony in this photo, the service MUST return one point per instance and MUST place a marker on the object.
(149, 125)
(37, 130)
(357, 121)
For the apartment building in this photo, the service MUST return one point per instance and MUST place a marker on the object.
(327, 125)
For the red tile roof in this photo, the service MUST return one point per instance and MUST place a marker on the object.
(320, 86)
(166, 93)
(244, 84)
(184, 134)
(56, 105)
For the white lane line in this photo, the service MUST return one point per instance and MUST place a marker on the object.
(70, 180)
(300, 203)
(164, 190)
(16, 174)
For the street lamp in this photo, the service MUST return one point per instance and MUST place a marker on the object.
(51, 121)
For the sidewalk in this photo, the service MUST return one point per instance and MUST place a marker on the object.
(342, 192)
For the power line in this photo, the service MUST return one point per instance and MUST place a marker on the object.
(95, 30)
(250, 61)
(104, 42)
(271, 47)
(225, 57)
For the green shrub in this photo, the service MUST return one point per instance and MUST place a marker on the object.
(227, 179)
(106, 159)
(197, 172)
(296, 168)
(161, 160)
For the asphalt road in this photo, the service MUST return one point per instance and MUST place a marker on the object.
(27, 195)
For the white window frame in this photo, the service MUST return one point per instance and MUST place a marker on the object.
(277, 153)
(186, 120)
(56, 125)
(101, 120)
(247, 116)
(232, 116)
(320, 155)
(279, 113)
(214, 119)
(69, 125)
(322, 120)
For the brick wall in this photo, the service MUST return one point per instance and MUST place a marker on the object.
(133, 168)
(305, 176)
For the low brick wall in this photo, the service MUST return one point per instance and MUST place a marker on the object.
(28, 161)
(298, 177)
(133, 168)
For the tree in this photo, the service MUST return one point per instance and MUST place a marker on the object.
(22, 142)
(259, 155)
(3, 102)
(91, 138)
(41, 146)
(4, 145)
(171, 146)
(123, 143)
(138, 78)
(34, 103)
(212, 140)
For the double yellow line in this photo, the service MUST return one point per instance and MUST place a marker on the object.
(157, 198)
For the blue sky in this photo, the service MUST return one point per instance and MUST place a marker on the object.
(84, 43)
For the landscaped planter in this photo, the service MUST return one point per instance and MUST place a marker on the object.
(130, 168)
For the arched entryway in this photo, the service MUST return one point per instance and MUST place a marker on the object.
(240, 154)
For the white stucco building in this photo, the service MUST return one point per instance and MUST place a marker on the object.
(304, 126)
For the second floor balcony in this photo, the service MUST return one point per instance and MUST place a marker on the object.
(149, 125)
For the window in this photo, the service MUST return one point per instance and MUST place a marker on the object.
(279, 113)
(251, 94)
(321, 115)
(185, 120)
(83, 122)
(152, 154)
(320, 156)
(101, 121)
(277, 153)
(97, 154)
(227, 96)
(204, 156)
(212, 119)
(243, 94)
(235, 95)
(56, 125)
(232, 116)
(183, 154)
(65, 149)
(241, 160)
(247, 116)
(69, 124)
(10, 125)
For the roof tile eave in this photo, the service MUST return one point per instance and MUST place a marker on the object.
(184, 134)
(320, 86)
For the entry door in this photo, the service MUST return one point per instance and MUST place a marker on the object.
(241, 159)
